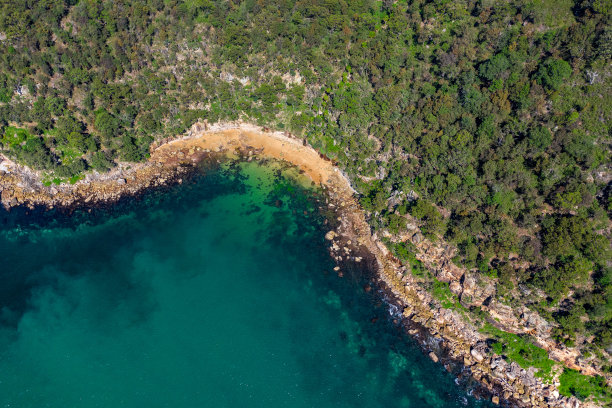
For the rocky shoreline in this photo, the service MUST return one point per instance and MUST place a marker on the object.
(349, 257)
(445, 334)
(21, 187)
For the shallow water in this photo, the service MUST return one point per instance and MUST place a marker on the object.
(216, 293)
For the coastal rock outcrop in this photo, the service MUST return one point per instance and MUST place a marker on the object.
(446, 334)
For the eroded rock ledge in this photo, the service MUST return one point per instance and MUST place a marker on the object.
(451, 332)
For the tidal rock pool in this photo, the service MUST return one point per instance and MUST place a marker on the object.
(219, 292)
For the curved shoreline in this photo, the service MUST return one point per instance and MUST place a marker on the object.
(22, 186)
(508, 383)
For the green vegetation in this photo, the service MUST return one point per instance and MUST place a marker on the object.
(583, 386)
(433, 223)
(553, 73)
(495, 115)
(27, 148)
(520, 350)
(404, 251)
(442, 292)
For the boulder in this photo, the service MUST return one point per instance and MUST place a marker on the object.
(455, 287)
(476, 289)
(478, 352)
(330, 235)
(433, 357)
(477, 355)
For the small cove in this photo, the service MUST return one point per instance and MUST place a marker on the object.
(218, 292)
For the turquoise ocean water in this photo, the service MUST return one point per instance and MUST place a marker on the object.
(215, 293)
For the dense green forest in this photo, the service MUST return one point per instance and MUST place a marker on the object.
(488, 121)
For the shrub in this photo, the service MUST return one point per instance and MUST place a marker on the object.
(583, 386)
(553, 73)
